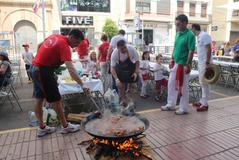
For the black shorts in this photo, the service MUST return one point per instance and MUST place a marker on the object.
(27, 66)
(45, 84)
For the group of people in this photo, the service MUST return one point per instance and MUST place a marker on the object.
(226, 49)
(180, 66)
(121, 60)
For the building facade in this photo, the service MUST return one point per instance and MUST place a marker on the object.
(158, 17)
(145, 21)
(225, 21)
(19, 24)
(89, 16)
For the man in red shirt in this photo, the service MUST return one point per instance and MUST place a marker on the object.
(52, 52)
(102, 56)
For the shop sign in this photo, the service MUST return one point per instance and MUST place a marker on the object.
(77, 20)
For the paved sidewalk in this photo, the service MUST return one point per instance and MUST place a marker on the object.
(207, 136)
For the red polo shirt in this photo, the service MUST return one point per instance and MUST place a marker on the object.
(82, 48)
(103, 49)
(53, 52)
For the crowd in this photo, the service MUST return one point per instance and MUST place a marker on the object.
(226, 49)
(120, 61)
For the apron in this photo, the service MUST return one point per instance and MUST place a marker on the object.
(125, 70)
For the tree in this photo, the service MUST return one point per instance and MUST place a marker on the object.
(110, 28)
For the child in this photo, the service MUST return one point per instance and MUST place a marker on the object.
(27, 56)
(159, 78)
(92, 66)
(144, 73)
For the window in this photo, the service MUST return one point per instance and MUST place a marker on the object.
(203, 9)
(163, 7)
(235, 13)
(86, 5)
(143, 6)
(148, 35)
(127, 6)
(192, 8)
(180, 7)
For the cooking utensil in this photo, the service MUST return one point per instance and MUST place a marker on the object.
(98, 115)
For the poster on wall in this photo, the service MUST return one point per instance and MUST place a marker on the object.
(86, 5)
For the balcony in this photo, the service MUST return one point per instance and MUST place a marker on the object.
(150, 17)
(197, 17)
(235, 16)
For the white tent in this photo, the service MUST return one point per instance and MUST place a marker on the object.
(233, 6)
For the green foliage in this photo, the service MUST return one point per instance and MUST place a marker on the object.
(110, 28)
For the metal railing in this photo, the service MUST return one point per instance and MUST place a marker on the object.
(160, 49)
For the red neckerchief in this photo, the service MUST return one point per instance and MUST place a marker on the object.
(179, 79)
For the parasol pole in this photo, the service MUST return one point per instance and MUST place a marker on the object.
(43, 19)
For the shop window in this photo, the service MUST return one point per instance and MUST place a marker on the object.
(148, 35)
(203, 9)
(86, 5)
(143, 6)
(180, 7)
(192, 8)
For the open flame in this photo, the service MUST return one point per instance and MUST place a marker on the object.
(128, 145)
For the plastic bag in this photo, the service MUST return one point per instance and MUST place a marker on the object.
(112, 100)
(32, 119)
(107, 96)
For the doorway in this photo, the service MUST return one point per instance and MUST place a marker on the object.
(25, 32)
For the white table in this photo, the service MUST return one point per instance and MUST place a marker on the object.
(226, 64)
(193, 74)
(72, 87)
(226, 58)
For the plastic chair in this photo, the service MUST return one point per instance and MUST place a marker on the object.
(16, 72)
(7, 92)
(225, 73)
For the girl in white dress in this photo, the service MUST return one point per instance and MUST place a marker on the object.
(144, 73)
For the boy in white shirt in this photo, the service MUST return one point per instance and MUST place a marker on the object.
(27, 57)
(160, 81)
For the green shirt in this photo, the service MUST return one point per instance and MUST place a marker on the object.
(184, 42)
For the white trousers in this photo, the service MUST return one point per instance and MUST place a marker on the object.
(173, 93)
(205, 87)
(104, 67)
(144, 85)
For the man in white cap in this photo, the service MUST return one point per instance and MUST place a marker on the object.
(27, 57)
(204, 50)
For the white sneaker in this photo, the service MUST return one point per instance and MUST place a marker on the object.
(168, 108)
(179, 112)
(46, 130)
(70, 128)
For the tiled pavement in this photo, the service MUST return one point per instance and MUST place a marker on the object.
(212, 135)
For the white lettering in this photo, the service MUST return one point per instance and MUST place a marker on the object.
(87, 20)
(73, 20)
(78, 20)
(68, 20)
